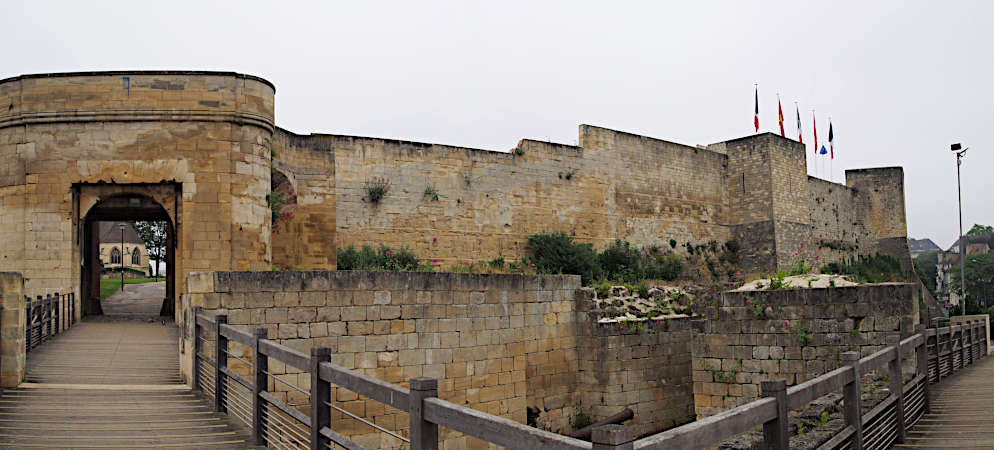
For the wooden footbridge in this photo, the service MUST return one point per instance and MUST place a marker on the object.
(109, 384)
(117, 385)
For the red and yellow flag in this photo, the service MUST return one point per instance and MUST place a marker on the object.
(780, 111)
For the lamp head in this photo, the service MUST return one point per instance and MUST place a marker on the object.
(121, 226)
(956, 147)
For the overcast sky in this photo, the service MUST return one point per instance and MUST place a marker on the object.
(900, 80)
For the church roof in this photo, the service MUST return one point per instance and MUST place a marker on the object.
(108, 232)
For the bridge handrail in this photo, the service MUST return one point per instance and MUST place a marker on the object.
(966, 344)
(46, 317)
(290, 427)
(938, 353)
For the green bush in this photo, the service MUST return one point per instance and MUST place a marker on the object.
(557, 253)
(384, 258)
(877, 268)
(667, 268)
(620, 261)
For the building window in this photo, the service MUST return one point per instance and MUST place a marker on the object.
(136, 257)
(115, 256)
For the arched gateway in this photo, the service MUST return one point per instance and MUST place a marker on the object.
(191, 148)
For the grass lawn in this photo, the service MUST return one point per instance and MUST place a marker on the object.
(110, 286)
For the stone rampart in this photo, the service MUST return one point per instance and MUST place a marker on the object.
(495, 342)
(646, 368)
(794, 334)
(512, 345)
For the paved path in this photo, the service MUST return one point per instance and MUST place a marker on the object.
(109, 383)
(962, 413)
(136, 300)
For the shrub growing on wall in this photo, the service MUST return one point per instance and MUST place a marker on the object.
(557, 253)
(877, 268)
(384, 258)
(620, 261)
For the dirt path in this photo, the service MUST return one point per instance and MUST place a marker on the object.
(136, 300)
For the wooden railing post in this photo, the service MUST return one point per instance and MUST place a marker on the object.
(921, 362)
(938, 359)
(260, 365)
(56, 313)
(27, 324)
(320, 393)
(851, 392)
(220, 361)
(962, 346)
(424, 434)
(197, 348)
(984, 339)
(896, 379)
(46, 315)
(775, 433)
(612, 437)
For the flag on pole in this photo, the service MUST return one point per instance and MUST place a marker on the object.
(780, 113)
(814, 122)
(755, 118)
(831, 139)
(800, 135)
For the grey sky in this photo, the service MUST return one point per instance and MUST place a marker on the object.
(901, 80)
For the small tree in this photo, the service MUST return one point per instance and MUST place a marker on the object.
(979, 279)
(980, 229)
(153, 234)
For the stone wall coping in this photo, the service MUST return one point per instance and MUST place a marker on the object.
(138, 72)
(326, 280)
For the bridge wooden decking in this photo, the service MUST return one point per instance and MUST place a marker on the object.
(111, 384)
(962, 412)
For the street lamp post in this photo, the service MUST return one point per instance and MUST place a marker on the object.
(960, 151)
(121, 266)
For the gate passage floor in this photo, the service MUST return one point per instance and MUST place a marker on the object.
(111, 383)
(961, 415)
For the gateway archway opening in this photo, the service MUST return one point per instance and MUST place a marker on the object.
(114, 252)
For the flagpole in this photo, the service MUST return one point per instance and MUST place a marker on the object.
(831, 158)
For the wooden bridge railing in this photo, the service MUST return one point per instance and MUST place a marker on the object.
(937, 353)
(276, 424)
(46, 317)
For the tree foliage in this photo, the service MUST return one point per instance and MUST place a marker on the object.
(926, 268)
(980, 229)
(153, 234)
(979, 279)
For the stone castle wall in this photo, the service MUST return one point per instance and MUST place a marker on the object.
(647, 371)
(495, 342)
(67, 140)
(212, 134)
(615, 186)
(502, 344)
(735, 349)
(307, 239)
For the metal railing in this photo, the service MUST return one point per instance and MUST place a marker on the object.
(279, 425)
(46, 317)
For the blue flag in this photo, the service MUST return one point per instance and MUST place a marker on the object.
(823, 151)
